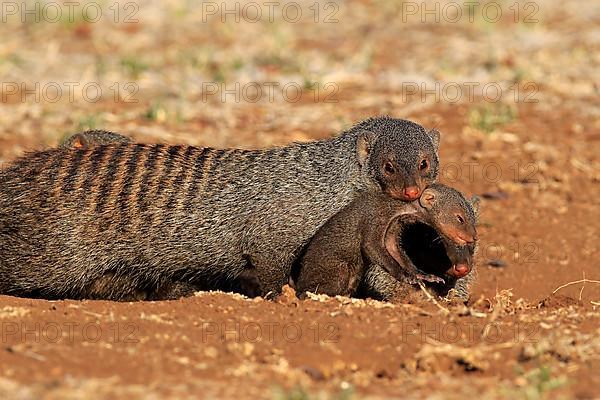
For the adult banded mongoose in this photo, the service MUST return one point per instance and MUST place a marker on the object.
(109, 285)
(93, 138)
(367, 233)
(157, 214)
(423, 246)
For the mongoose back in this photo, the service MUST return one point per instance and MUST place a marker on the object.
(366, 235)
(70, 217)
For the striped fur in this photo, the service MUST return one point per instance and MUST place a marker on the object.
(144, 217)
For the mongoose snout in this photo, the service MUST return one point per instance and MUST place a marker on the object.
(411, 193)
(458, 234)
(461, 259)
(460, 270)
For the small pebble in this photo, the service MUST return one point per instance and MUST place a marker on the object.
(495, 195)
(496, 263)
(313, 372)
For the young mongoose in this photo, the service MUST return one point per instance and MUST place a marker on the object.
(93, 138)
(158, 214)
(367, 233)
(434, 258)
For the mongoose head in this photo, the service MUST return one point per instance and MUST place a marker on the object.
(398, 155)
(461, 258)
(454, 217)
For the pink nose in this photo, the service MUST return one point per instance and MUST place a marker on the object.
(411, 193)
(461, 270)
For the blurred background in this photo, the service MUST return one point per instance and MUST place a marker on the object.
(512, 86)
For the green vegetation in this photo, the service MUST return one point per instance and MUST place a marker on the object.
(492, 116)
(156, 112)
(539, 384)
(159, 112)
(133, 66)
(87, 122)
(299, 393)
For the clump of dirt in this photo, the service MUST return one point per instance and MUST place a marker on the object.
(557, 301)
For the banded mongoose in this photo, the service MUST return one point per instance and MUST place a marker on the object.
(158, 214)
(124, 288)
(93, 138)
(456, 213)
(366, 234)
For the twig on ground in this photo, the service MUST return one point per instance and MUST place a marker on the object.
(582, 287)
(444, 309)
(584, 280)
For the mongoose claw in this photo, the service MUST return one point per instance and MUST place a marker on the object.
(430, 278)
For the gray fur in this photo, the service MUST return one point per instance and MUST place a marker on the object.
(144, 217)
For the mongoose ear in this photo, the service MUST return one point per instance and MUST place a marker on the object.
(475, 202)
(363, 146)
(427, 199)
(78, 141)
(434, 134)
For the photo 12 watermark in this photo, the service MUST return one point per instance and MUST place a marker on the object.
(270, 92)
(292, 12)
(271, 332)
(67, 332)
(470, 332)
(465, 91)
(519, 252)
(71, 92)
(490, 172)
(52, 12)
(469, 11)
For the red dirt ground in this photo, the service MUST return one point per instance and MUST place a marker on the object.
(225, 345)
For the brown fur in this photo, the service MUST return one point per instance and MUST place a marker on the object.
(364, 239)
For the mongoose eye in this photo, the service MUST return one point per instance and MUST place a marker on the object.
(389, 168)
(460, 219)
(423, 165)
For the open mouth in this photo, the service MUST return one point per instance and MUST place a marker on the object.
(424, 246)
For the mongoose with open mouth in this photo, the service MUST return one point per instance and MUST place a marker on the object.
(364, 238)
